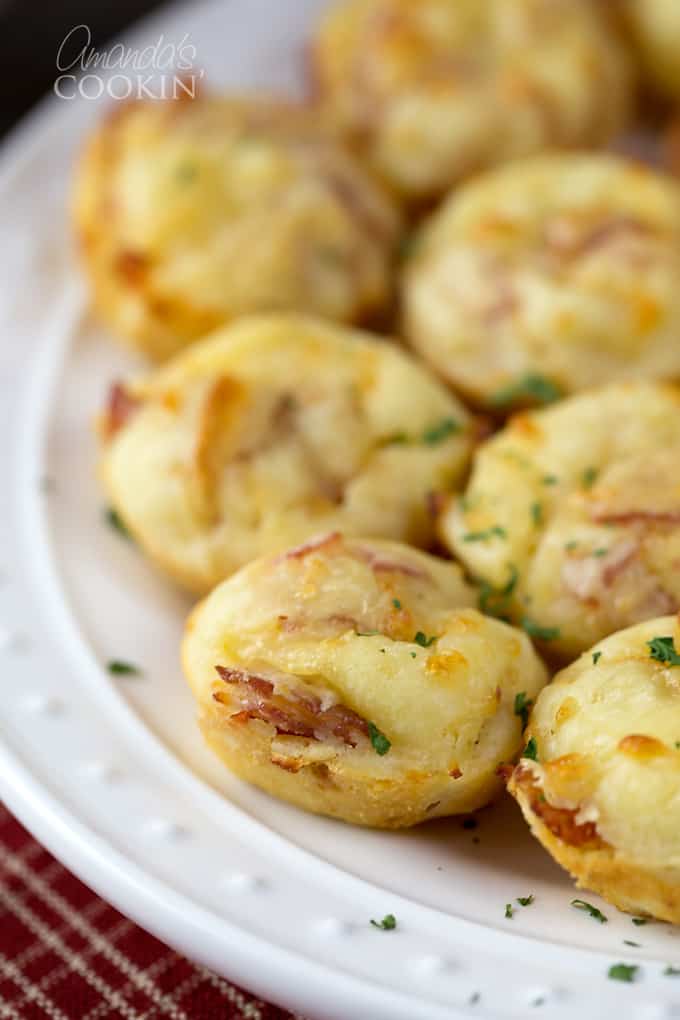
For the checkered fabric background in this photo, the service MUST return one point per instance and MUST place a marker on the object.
(65, 954)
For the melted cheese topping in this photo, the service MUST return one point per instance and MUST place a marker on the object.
(274, 429)
(608, 744)
(430, 91)
(564, 267)
(191, 213)
(576, 509)
(386, 632)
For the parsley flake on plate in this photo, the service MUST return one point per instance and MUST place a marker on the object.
(670, 971)
(590, 909)
(525, 901)
(628, 942)
(623, 972)
(662, 649)
(509, 912)
(115, 521)
(381, 744)
(388, 923)
(119, 668)
(639, 920)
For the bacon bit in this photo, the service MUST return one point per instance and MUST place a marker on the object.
(133, 267)
(505, 771)
(566, 238)
(561, 821)
(121, 405)
(603, 516)
(587, 576)
(455, 773)
(390, 566)
(322, 542)
(505, 304)
(436, 503)
(300, 715)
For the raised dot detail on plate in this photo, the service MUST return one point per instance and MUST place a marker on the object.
(333, 927)
(43, 704)
(103, 772)
(429, 966)
(164, 828)
(240, 881)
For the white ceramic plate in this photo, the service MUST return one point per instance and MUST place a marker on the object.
(110, 773)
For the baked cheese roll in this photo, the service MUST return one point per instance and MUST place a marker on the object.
(353, 678)
(571, 518)
(430, 91)
(191, 213)
(548, 276)
(655, 28)
(272, 429)
(603, 793)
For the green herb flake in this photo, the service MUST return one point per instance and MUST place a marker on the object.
(522, 707)
(531, 750)
(119, 668)
(589, 909)
(623, 972)
(482, 536)
(550, 479)
(115, 521)
(395, 439)
(537, 514)
(186, 172)
(381, 744)
(396, 603)
(525, 901)
(588, 477)
(530, 388)
(535, 630)
(438, 433)
(423, 640)
(637, 921)
(388, 923)
(662, 649)
(596, 657)
(509, 912)
(492, 600)
(570, 546)
(628, 942)
(600, 552)
(366, 633)
(413, 655)
(670, 971)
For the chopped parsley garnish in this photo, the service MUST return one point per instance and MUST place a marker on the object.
(662, 649)
(396, 603)
(639, 920)
(366, 633)
(600, 552)
(534, 388)
(540, 633)
(596, 657)
(671, 971)
(525, 901)
(550, 479)
(186, 172)
(481, 536)
(628, 942)
(438, 433)
(570, 546)
(523, 707)
(588, 477)
(120, 668)
(531, 750)
(492, 600)
(508, 910)
(115, 521)
(388, 923)
(423, 640)
(396, 439)
(413, 655)
(590, 909)
(623, 972)
(381, 744)
(537, 514)
(677, 745)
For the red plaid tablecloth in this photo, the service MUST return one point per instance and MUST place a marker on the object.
(65, 954)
